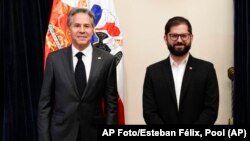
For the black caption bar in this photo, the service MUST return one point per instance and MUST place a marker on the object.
(174, 131)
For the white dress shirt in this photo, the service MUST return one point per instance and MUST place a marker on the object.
(86, 58)
(178, 71)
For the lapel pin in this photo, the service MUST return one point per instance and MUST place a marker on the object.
(190, 68)
(99, 58)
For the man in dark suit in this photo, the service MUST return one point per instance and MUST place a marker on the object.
(180, 89)
(70, 105)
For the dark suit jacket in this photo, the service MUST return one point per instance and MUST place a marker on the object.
(62, 111)
(199, 99)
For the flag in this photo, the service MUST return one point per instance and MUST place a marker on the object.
(108, 35)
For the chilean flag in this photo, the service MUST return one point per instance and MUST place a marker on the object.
(108, 35)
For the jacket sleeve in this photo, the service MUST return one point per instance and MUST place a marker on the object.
(150, 111)
(111, 95)
(210, 110)
(45, 103)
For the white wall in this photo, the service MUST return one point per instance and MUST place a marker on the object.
(142, 23)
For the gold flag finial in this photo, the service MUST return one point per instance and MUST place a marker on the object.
(82, 3)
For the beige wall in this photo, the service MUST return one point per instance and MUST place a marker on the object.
(142, 23)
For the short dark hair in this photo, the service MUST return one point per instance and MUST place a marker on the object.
(80, 10)
(177, 21)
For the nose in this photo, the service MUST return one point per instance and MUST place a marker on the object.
(179, 39)
(82, 29)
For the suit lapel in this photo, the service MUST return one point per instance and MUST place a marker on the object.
(168, 76)
(187, 78)
(95, 68)
(69, 69)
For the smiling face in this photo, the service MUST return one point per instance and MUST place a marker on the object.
(179, 40)
(81, 30)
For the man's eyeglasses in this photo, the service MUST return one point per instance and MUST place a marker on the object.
(184, 36)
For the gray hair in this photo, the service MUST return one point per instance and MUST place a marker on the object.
(80, 10)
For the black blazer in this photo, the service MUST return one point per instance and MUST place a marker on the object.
(199, 99)
(61, 110)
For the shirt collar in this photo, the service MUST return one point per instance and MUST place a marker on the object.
(172, 62)
(87, 51)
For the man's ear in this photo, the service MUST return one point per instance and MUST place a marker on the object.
(165, 37)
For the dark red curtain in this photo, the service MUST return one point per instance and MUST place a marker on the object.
(23, 28)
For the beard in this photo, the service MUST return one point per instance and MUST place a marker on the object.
(179, 51)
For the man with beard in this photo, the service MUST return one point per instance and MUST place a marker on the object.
(180, 89)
